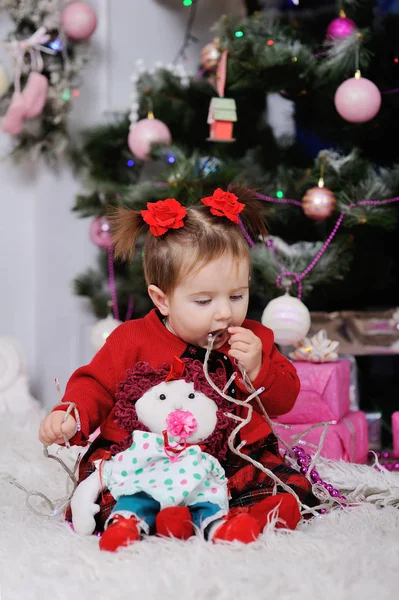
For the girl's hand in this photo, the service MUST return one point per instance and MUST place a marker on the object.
(246, 348)
(53, 428)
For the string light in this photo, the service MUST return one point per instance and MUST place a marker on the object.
(270, 42)
(66, 95)
(280, 194)
(239, 33)
(130, 163)
(56, 45)
(187, 2)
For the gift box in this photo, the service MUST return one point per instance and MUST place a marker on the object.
(346, 439)
(324, 393)
(395, 432)
(374, 422)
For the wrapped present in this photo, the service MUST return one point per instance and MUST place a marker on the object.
(374, 421)
(395, 432)
(324, 393)
(345, 439)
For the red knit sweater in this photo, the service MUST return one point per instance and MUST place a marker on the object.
(92, 387)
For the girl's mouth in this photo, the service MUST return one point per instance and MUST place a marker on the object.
(217, 333)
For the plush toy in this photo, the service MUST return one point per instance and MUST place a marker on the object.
(165, 475)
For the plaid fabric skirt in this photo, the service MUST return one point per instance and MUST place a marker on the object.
(248, 485)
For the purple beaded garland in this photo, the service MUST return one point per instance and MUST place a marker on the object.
(304, 461)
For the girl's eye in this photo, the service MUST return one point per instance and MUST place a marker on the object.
(162, 397)
(191, 395)
(202, 302)
(236, 297)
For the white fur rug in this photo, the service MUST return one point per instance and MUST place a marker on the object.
(347, 554)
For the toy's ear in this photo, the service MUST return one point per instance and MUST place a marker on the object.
(160, 299)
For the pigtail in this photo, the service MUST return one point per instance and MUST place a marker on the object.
(126, 225)
(254, 215)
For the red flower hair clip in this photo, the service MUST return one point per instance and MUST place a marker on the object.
(164, 215)
(224, 204)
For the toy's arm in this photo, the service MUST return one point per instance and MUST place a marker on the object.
(83, 504)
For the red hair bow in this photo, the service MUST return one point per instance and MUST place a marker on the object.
(164, 215)
(224, 204)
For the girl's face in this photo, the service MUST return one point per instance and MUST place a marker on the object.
(214, 297)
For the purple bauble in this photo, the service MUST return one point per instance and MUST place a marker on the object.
(145, 133)
(100, 232)
(340, 28)
(357, 100)
(79, 20)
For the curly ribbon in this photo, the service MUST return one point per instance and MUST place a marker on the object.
(221, 74)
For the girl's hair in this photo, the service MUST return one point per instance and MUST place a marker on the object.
(203, 238)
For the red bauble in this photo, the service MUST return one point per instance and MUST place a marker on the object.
(318, 203)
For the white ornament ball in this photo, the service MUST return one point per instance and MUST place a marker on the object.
(288, 318)
(4, 81)
(101, 330)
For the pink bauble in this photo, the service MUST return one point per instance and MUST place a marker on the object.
(145, 133)
(79, 20)
(100, 232)
(340, 28)
(318, 203)
(357, 100)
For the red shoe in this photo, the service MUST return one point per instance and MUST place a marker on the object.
(175, 521)
(286, 507)
(241, 527)
(122, 531)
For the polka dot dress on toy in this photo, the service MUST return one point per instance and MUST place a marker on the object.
(190, 477)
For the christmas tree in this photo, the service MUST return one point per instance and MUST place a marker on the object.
(330, 177)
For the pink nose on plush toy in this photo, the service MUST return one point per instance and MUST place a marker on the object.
(181, 423)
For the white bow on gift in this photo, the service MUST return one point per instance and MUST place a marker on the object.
(316, 349)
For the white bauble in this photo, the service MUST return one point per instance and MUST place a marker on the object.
(288, 318)
(4, 81)
(101, 330)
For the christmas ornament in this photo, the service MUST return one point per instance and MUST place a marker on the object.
(318, 202)
(79, 20)
(208, 165)
(100, 232)
(145, 133)
(288, 318)
(317, 349)
(210, 56)
(357, 100)
(4, 80)
(101, 330)
(341, 27)
(222, 111)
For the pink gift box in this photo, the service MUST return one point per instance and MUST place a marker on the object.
(324, 393)
(395, 432)
(346, 439)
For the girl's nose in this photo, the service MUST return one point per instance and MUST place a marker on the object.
(224, 312)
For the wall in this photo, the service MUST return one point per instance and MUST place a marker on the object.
(43, 245)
